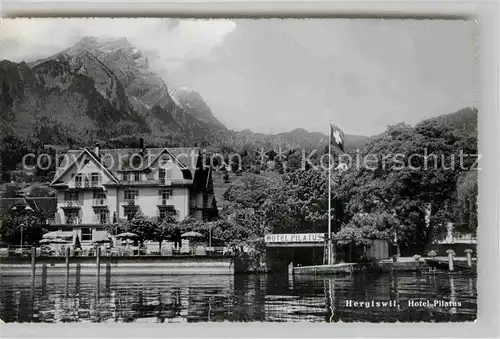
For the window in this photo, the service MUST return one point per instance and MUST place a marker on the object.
(124, 176)
(164, 212)
(137, 176)
(99, 195)
(161, 175)
(71, 217)
(86, 234)
(78, 180)
(131, 194)
(94, 178)
(130, 213)
(71, 196)
(137, 161)
(165, 193)
(103, 216)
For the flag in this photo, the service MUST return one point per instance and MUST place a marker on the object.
(337, 138)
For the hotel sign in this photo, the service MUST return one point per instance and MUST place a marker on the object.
(304, 237)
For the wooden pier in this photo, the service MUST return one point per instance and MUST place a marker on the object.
(325, 269)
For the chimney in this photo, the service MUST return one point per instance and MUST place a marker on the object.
(96, 150)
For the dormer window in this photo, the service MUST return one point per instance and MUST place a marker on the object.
(78, 180)
(94, 178)
(137, 161)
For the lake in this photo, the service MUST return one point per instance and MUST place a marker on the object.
(239, 298)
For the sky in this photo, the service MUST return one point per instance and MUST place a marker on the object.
(274, 75)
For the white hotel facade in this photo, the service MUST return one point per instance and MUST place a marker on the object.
(101, 186)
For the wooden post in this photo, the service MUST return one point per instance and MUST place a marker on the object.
(98, 259)
(451, 254)
(33, 260)
(468, 253)
(67, 260)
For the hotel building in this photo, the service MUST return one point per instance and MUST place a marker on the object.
(101, 186)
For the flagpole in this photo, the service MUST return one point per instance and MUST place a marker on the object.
(329, 258)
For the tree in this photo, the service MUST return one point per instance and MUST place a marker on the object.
(42, 191)
(172, 229)
(467, 191)
(364, 227)
(145, 228)
(11, 190)
(414, 174)
(300, 203)
(12, 225)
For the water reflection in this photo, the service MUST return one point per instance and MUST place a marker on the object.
(241, 298)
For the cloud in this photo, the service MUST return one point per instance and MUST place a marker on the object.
(283, 74)
(29, 39)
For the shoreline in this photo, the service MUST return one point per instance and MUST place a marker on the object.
(140, 265)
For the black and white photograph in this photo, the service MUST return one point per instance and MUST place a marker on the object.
(177, 170)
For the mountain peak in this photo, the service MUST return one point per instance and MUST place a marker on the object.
(194, 104)
(120, 47)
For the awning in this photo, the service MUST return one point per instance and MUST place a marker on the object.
(58, 234)
(101, 236)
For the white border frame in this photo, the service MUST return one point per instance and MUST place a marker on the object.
(487, 15)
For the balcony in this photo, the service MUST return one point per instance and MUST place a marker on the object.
(100, 202)
(164, 201)
(163, 181)
(172, 181)
(129, 202)
(71, 203)
(87, 184)
(91, 184)
(70, 220)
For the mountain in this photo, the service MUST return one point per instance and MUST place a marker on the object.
(64, 98)
(106, 89)
(193, 103)
(147, 92)
(464, 119)
(299, 136)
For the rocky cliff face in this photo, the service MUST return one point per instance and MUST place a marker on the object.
(193, 103)
(65, 97)
(145, 89)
